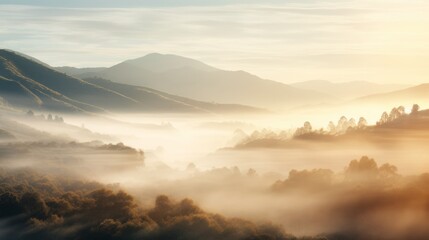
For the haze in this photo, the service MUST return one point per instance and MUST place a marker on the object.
(288, 41)
(214, 120)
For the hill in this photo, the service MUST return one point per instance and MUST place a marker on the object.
(27, 83)
(397, 130)
(191, 78)
(417, 94)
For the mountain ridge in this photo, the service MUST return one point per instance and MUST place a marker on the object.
(194, 79)
(54, 90)
(413, 94)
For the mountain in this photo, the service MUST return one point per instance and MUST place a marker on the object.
(348, 90)
(156, 62)
(190, 78)
(27, 83)
(28, 57)
(417, 94)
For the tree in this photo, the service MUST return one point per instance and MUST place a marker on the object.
(352, 123)
(415, 109)
(362, 123)
(343, 125)
(394, 114)
(365, 168)
(191, 167)
(383, 119)
(401, 110)
(307, 127)
(251, 173)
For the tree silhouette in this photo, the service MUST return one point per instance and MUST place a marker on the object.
(415, 109)
(362, 123)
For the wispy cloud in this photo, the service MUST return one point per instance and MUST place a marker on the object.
(279, 41)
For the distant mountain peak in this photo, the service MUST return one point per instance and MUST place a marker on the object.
(156, 54)
(157, 62)
(27, 84)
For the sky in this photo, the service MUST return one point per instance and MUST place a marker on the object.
(383, 41)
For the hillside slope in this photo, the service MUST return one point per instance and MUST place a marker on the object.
(193, 79)
(27, 83)
(417, 94)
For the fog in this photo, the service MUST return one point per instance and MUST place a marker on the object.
(176, 136)
(291, 179)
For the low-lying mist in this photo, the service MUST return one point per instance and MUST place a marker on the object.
(123, 177)
(46, 206)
